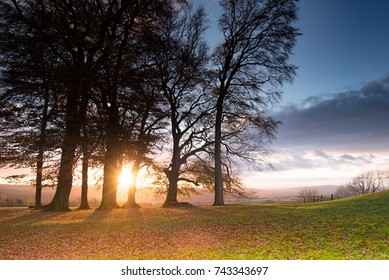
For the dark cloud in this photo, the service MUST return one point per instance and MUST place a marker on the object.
(356, 120)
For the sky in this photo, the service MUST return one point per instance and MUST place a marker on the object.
(335, 116)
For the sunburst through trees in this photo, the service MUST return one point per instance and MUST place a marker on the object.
(107, 84)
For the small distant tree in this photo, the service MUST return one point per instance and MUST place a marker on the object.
(307, 193)
(344, 191)
(367, 182)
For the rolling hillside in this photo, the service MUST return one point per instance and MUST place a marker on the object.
(355, 228)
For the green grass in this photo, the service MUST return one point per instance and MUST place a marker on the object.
(355, 228)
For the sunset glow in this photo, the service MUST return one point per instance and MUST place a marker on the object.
(125, 178)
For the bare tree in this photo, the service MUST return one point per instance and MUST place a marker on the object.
(29, 93)
(84, 42)
(308, 193)
(180, 64)
(143, 124)
(251, 62)
(367, 182)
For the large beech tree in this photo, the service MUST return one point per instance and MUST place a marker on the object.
(180, 61)
(89, 42)
(125, 68)
(144, 125)
(128, 19)
(28, 94)
(251, 63)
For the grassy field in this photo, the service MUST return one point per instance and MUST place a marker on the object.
(356, 228)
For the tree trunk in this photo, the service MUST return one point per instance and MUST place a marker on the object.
(60, 201)
(38, 182)
(41, 150)
(131, 201)
(174, 171)
(39, 170)
(85, 165)
(172, 191)
(84, 185)
(219, 195)
(111, 175)
(65, 178)
(112, 165)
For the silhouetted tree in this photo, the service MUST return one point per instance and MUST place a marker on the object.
(180, 60)
(129, 20)
(367, 182)
(308, 193)
(28, 94)
(90, 49)
(143, 130)
(251, 62)
(91, 140)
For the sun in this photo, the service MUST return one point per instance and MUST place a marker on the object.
(125, 178)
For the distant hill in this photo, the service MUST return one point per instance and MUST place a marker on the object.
(286, 192)
(23, 195)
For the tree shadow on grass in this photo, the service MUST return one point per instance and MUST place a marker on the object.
(115, 215)
(135, 213)
(96, 216)
(27, 216)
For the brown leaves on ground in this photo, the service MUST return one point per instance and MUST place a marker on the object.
(338, 230)
(118, 234)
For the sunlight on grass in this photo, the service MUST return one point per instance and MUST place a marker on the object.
(356, 228)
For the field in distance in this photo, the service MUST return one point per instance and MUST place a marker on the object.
(24, 195)
(354, 228)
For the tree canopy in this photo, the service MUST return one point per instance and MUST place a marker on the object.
(109, 83)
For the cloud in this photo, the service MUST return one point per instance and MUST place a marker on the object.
(292, 160)
(359, 159)
(322, 154)
(355, 120)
